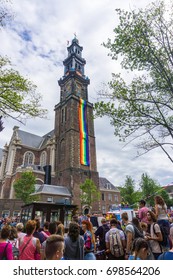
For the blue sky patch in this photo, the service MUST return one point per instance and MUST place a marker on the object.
(26, 35)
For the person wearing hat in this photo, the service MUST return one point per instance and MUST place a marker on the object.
(101, 232)
(143, 211)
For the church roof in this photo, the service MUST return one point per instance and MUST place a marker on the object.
(32, 140)
(104, 184)
(53, 190)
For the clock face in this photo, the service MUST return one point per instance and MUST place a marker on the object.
(68, 88)
(78, 88)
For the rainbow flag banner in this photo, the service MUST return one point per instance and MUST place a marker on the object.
(84, 145)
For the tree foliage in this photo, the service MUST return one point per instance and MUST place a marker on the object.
(150, 188)
(89, 193)
(140, 108)
(18, 96)
(25, 186)
(129, 196)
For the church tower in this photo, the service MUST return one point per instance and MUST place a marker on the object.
(75, 159)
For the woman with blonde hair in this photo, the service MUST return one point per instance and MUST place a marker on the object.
(162, 219)
(89, 240)
(61, 230)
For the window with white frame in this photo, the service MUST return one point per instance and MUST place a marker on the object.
(43, 158)
(116, 197)
(110, 196)
(28, 158)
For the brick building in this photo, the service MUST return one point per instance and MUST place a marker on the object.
(67, 154)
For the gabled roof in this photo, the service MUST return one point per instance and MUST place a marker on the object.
(32, 140)
(53, 190)
(29, 139)
(104, 184)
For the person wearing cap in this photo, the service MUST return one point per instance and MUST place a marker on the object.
(101, 232)
(142, 213)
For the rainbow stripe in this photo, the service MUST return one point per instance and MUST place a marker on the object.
(84, 145)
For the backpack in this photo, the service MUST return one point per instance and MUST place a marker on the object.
(15, 251)
(116, 246)
(165, 234)
(137, 232)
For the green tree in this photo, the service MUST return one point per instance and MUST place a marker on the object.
(25, 186)
(89, 193)
(150, 188)
(140, 108)
(128, 194)
(18, 96)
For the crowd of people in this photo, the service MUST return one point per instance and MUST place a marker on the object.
(149, 236)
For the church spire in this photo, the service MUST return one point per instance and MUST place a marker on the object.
(74, 81)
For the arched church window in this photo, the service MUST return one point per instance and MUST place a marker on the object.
(43, 158)
(28, 158)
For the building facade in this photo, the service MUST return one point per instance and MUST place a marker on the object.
(67, 153)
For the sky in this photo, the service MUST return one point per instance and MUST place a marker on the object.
(36, 42)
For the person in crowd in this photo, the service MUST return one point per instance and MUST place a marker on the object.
(46, 228)
(37, 233)
(144, 227)
(114, 230)
(13, 236)
(129, 232)
(74, 243)
(13, 239)
(52, 230)
(54, 247)
(162, 218)
(142, 213)
(160, 209)
(61, 229)
(154, 235)
(89, 240)
(101, 232)
(140, 249)
(5, 246)
(20, 228)
(29, 246)
(169, 254)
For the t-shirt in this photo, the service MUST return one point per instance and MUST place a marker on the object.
(129, 228)
(9, 254)
(162, 212)
(166, 256)
(155, 247)
(132, 258)
(122, 236)
(143, 214)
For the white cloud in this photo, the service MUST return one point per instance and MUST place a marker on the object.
(36, 42)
